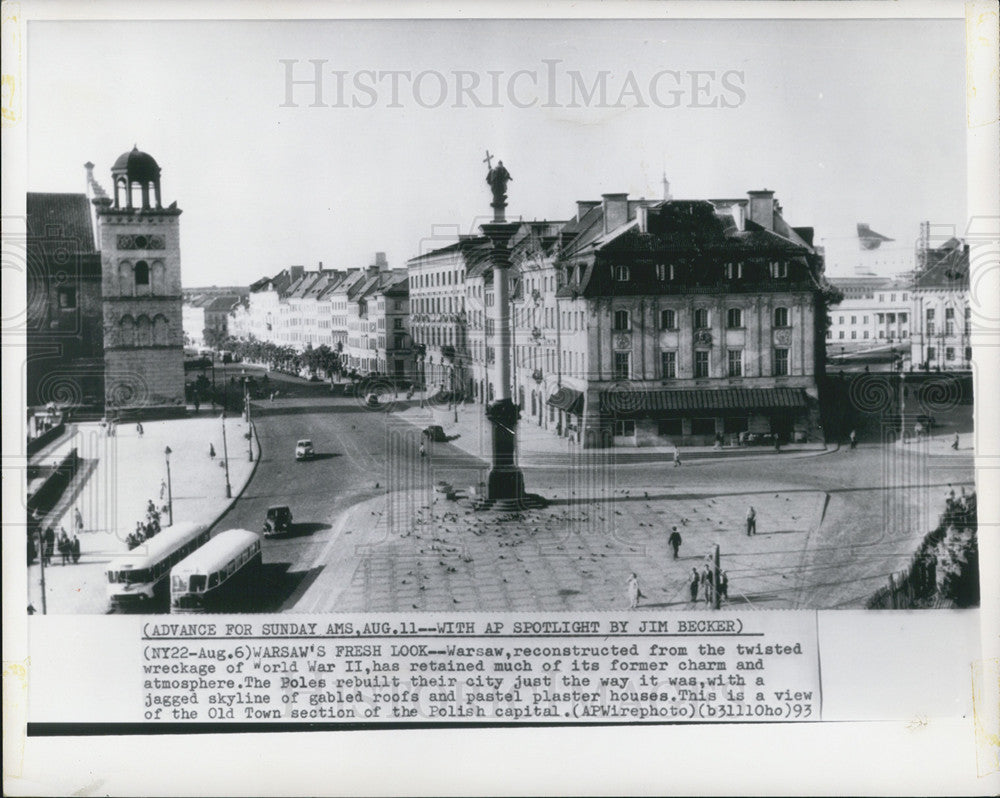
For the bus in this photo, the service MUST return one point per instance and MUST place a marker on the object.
(134, 578)
(222, 574)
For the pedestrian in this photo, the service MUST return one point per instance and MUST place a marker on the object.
(78, 520)
(423, 451)
(675, 542)
(954, 443)
(693, 582)
(163, 489)
(64, 544)
(677, 457)
(50, 545)
(211, 451)
(751, 521)
(633, 592)
(197, 403)
(724, 586)
(138, 428)
(707, 585)
(718, 441)
(74, 549)
(854, 439)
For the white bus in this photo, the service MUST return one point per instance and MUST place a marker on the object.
(133, 578)
(222, 574)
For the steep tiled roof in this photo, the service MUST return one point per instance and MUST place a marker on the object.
(60, 221)
(948, 267)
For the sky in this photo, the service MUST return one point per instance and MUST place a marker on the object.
(847, 121)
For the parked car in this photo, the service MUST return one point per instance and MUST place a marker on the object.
(372, 400)
(304, 450)
(278, 520)
(436, 433)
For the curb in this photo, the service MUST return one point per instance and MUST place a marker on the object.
(249, 479)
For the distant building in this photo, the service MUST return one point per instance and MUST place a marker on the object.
(941, 338)
(875, 312)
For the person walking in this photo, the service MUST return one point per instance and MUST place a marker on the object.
(163, 489)
(74, 549)
(211, 451)
(677, 457)
(724, 586)
(675, 541)
(50, 544)
(854, 439)
(64, 550)
(693, 582)
(954, 443)
(138, 428)
(751, 521)
(423, 451)
(707, 584)
(633, 591)
(78, 520)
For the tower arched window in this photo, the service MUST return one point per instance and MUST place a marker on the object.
(142, 274)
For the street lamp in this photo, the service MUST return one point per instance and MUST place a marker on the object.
(246, 393)
(225, 455)
(170, 488)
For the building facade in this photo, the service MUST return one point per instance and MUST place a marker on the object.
(942, 334)
(141, 284)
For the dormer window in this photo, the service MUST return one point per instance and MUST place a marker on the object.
(661, 271)
(779, 269)
(734, 271)
(621, 274)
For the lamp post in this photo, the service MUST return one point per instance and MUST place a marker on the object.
(246, 399)
(170, 488)
(225, 456)
(902, 407)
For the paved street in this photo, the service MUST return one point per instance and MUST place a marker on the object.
(372, 534)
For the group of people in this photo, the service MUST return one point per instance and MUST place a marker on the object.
(67, 545)
(705, 584)
(144, 530)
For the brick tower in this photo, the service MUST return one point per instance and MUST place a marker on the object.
(139, 241)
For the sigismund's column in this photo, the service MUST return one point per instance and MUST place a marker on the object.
(506, 482)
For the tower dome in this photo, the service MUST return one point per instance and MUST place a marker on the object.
(137, 165)
(136, 171)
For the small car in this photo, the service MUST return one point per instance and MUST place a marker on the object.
(372, 400)
(436, 433)
(278, 520)
(304, 450)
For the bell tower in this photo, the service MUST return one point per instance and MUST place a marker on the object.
(139, 241)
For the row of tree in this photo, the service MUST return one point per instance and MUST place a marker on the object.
(321, 360)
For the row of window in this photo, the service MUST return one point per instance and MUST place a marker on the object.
(881, 318)
(702, 319)
(435, 279)
(667, 271)
(702, 364)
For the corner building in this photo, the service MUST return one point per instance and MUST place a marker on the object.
(697, 318)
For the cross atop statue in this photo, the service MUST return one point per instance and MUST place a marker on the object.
(487, 160)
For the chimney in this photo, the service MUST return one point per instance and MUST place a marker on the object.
(643, 216)
(584, 206)
(615, 210)
(381, 263)
(761, 209)
(296, 272)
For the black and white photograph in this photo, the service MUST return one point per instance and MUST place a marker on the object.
(323, 334)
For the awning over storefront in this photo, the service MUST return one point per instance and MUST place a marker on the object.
(567, 399)
(656, 403)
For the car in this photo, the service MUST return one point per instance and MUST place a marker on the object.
(436, 433)
(278, 520)
(304, 450)
(372, 400)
